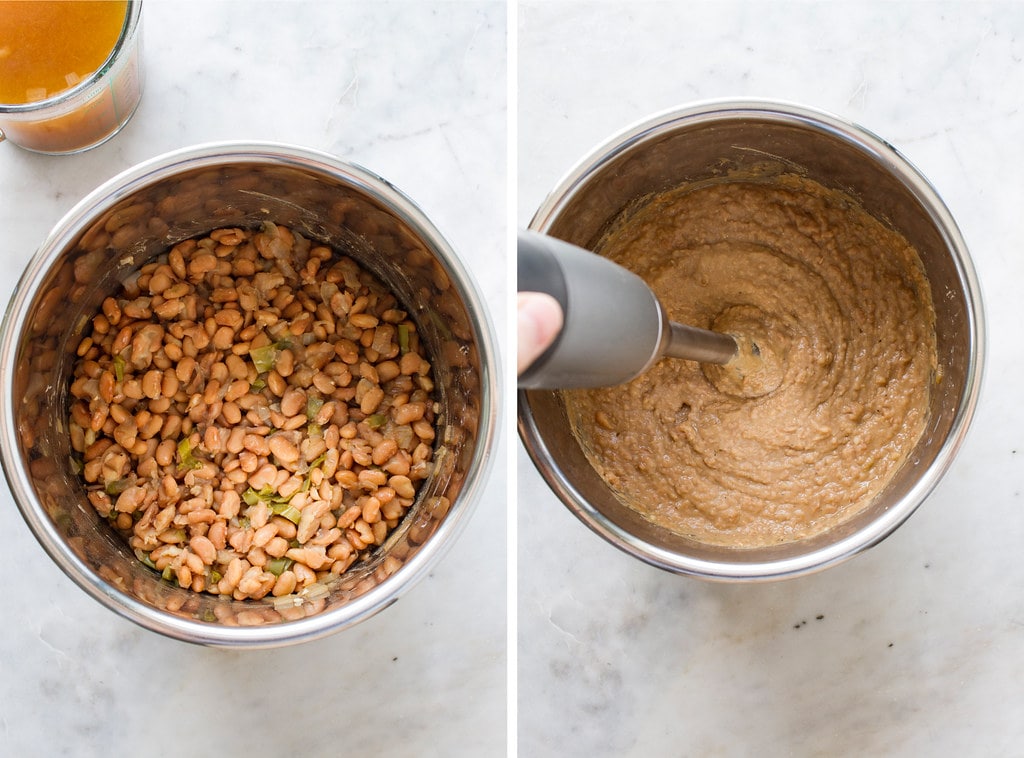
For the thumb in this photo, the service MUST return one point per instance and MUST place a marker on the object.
(540, 319)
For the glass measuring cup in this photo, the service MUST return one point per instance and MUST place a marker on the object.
(89, 113)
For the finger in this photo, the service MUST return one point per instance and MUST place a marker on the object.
(540, 320)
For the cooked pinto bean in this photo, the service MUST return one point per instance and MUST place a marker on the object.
(251, 414)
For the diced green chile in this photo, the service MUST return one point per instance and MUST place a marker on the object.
(185, 457)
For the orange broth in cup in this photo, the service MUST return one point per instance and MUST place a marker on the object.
(69, 72)
(48, 47)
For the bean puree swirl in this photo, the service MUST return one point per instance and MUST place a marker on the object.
(829, 392)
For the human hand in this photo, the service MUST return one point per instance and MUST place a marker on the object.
(539, 321)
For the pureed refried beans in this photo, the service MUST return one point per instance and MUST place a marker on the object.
(830, 390)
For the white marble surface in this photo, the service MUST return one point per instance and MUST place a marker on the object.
(912, 648)
(416, 92)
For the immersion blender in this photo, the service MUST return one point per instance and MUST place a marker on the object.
(614, 326)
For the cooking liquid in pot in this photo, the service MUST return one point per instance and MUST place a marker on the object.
(802, 431)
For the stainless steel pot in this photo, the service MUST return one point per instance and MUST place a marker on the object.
(711, 141)
(136, 216)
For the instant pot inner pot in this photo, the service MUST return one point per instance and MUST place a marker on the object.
(145, 223)
(675, 154)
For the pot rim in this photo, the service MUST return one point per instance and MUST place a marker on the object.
(874, 148)
(210, 155)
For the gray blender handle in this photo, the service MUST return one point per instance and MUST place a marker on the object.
(614, 327)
